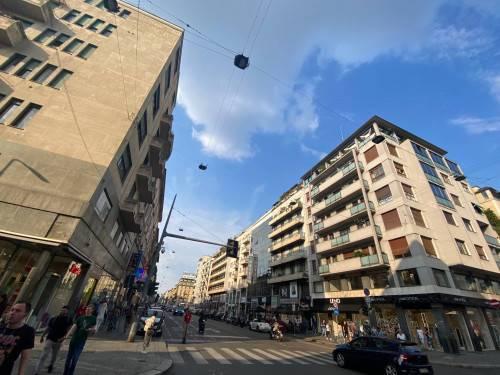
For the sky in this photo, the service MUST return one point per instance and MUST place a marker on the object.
(318, 70)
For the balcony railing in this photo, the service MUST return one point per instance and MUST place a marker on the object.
(287, 212)
(287, 224)
(353, 237)
(342, 216)
(288, 257)
(278, 278)
(491, 240)
(434, 179)
(444, 202)
(353, 264)
(361, 207)
(338, 175)
(288, 240)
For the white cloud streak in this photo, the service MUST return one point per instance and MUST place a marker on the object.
(477, 125)
(308, 150)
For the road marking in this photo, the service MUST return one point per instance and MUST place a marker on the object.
(217, 356)
(212, 330)
(289, 357)
(273, 357)
(325, 355)
(236, 356)
(226, 337)
(198, 358)
(255, 356)
(307, 357)
(321, 357)
(174, 354)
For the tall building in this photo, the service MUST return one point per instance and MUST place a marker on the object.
(222, 278)
(394, 218)
(202, 280)
(184, 289)
(86, 101)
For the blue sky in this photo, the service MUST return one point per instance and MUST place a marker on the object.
(318, 70)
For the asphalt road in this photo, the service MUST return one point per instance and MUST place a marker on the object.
(227, 349)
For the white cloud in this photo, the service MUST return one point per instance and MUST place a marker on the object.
(477, 125)
(451, 42)
(308, 150)
(494, 82)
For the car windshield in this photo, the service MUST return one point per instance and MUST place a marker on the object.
(152, 312)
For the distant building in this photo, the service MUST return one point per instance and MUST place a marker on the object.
(489, 198)
(202, 280)
(223, 275)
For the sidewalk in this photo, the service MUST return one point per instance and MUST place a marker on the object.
(109, 353)
(478, 360)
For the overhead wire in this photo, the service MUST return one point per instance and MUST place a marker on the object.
(199, 225)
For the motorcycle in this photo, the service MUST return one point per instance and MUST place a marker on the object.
(276, 334)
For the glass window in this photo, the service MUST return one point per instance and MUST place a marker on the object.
(318, 287)
(454, 167)
(445, 178)
(392, 150)
(441, 278)
(177, 59)
(124, 14)
(420, 151)
(408, 191)
(408, 277)
(167, 77)
(71, 15)
(94, 26)
(124, 163)
(45, 35)
(73, 46)
(142, 127)
(440, 194)
(87, 51)
(462, 248)
(58, 81)
(114, 230)
(83, 20)
(103, 205)
(468, 225)
(360, 343)
(430, 173)
(26, 23)
(380, 280)
(464, 282)
(438, 160)
(59, 40)
(371, 154)
(417, 217)
(355, 283)
(108, 30)
(119, 239)
(44, 73)
(465, 186)
(101, 5)
(399, 247)
(9, 108)
(485, 286)
(26, 115)
(400, 169)
(428, 246)
(156, 101)
(28, 68)
(480, 252)
(383, 195)
(12, 62)
(449, 218)
(456, 200)
(377, 173)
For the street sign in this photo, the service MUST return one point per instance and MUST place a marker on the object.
(366, 291)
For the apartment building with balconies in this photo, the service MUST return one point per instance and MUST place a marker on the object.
(202, 280)
(223, 277)
(395, 218)
(86, 101)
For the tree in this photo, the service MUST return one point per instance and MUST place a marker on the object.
(493, 219)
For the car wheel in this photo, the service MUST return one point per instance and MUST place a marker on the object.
(340, 360)
(390, 369)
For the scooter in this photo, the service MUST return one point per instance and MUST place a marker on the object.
(276, 335)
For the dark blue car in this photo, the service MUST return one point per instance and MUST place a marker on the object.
(382, 356)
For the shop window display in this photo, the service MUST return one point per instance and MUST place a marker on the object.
(480, 331)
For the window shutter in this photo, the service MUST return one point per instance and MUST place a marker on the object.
(429, 246)
(371, 154)
(399, 246)
(391, 219)
(417, 216)
(383, 193)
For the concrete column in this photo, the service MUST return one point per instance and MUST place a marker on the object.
(78, 291)
(34, 277)
(403, 323)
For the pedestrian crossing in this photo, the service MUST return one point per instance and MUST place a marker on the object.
(246, 356)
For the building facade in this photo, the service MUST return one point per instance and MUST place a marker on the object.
(184, 289)
(223, 277)
(202, 280)
(86, 98)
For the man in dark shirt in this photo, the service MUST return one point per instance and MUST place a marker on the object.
(56, 330)
(16, 338)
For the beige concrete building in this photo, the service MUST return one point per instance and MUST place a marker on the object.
(489, 198)
(223, 275)
(393, 216)
(86, 98)
(184, 290)
(202, 280)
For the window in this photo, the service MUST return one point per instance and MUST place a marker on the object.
(420, 151)
(408, 191)
(399, 247)
(83, 20)
(408, 277)
(142, 127)
(445, 178)
(73, 46)
(428, 246)
(108, 30)
(438, 161)
(12, 62)
(94, 26)
(462, 248)
(59, 40)
(380, 280)
(392, 150)
(449, 218)
(114, 230)
(124, 14)
(485, 286)
(377, 173)
(101, 5)
(87, 51)
(441, 278)
(124, 163)
(477, 208)
(119, 239)
(45, 35)
(1, 96)
(430, 173)
(103, 205)
(26, 115)
(480, 252)
(156, 101)
(464, 282)
(456, 200)
(440, 194)
(400, 170)
(177, 59)
(468, 225)
(28, 68)
(318, 287)
(383, 195)
(484, 193)
(44, 73)
(391, 219)
(90, 1)
(454, 167)
(465, 187)
(371, 154)
(71, 15)
(25, 22)
(58, 81)
(417, 217)
(9, 108)
(167, 77)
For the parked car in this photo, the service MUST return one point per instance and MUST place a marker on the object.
(178, 311)
(158, 326)
(259, 325)
(390, 357)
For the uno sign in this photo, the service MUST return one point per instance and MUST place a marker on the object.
(334, 301)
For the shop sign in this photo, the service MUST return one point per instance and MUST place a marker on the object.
(293, 290)
(284, 292)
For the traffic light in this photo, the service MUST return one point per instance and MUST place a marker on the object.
(232, 248)
(153, 288)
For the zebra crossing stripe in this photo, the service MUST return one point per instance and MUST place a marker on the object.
(255, 356)
(289, 357)
(273, 357)
(236, 356)
(308, 357)
(198, 358)
(217, 356)
(174, 354)
(300, 357)
(321, 357)
(326, 355)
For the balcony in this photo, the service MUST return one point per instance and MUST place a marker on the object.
(335, 180)
(491, 240)
(288, 257)
(286, 225)
(11, 31)
(330, 168)
(144, 184)
(349, 240)
(283, 278)
(354, 264)
(343, 217)
(156, 158)
(244, 260)
(287, 212)
(286, 241)
(38, 10)
(129, 213)
(339, 198)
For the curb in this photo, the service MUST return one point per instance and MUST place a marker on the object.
(161, 369)
(463, 365)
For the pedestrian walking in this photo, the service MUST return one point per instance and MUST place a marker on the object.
(323, 328)
(56, 330)
(148, 331)
(328, 332)
(102, 309)
(421, 337)
(79, 331)
(187, 319)
(400, 335)
(16, 339)
(428, 338)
